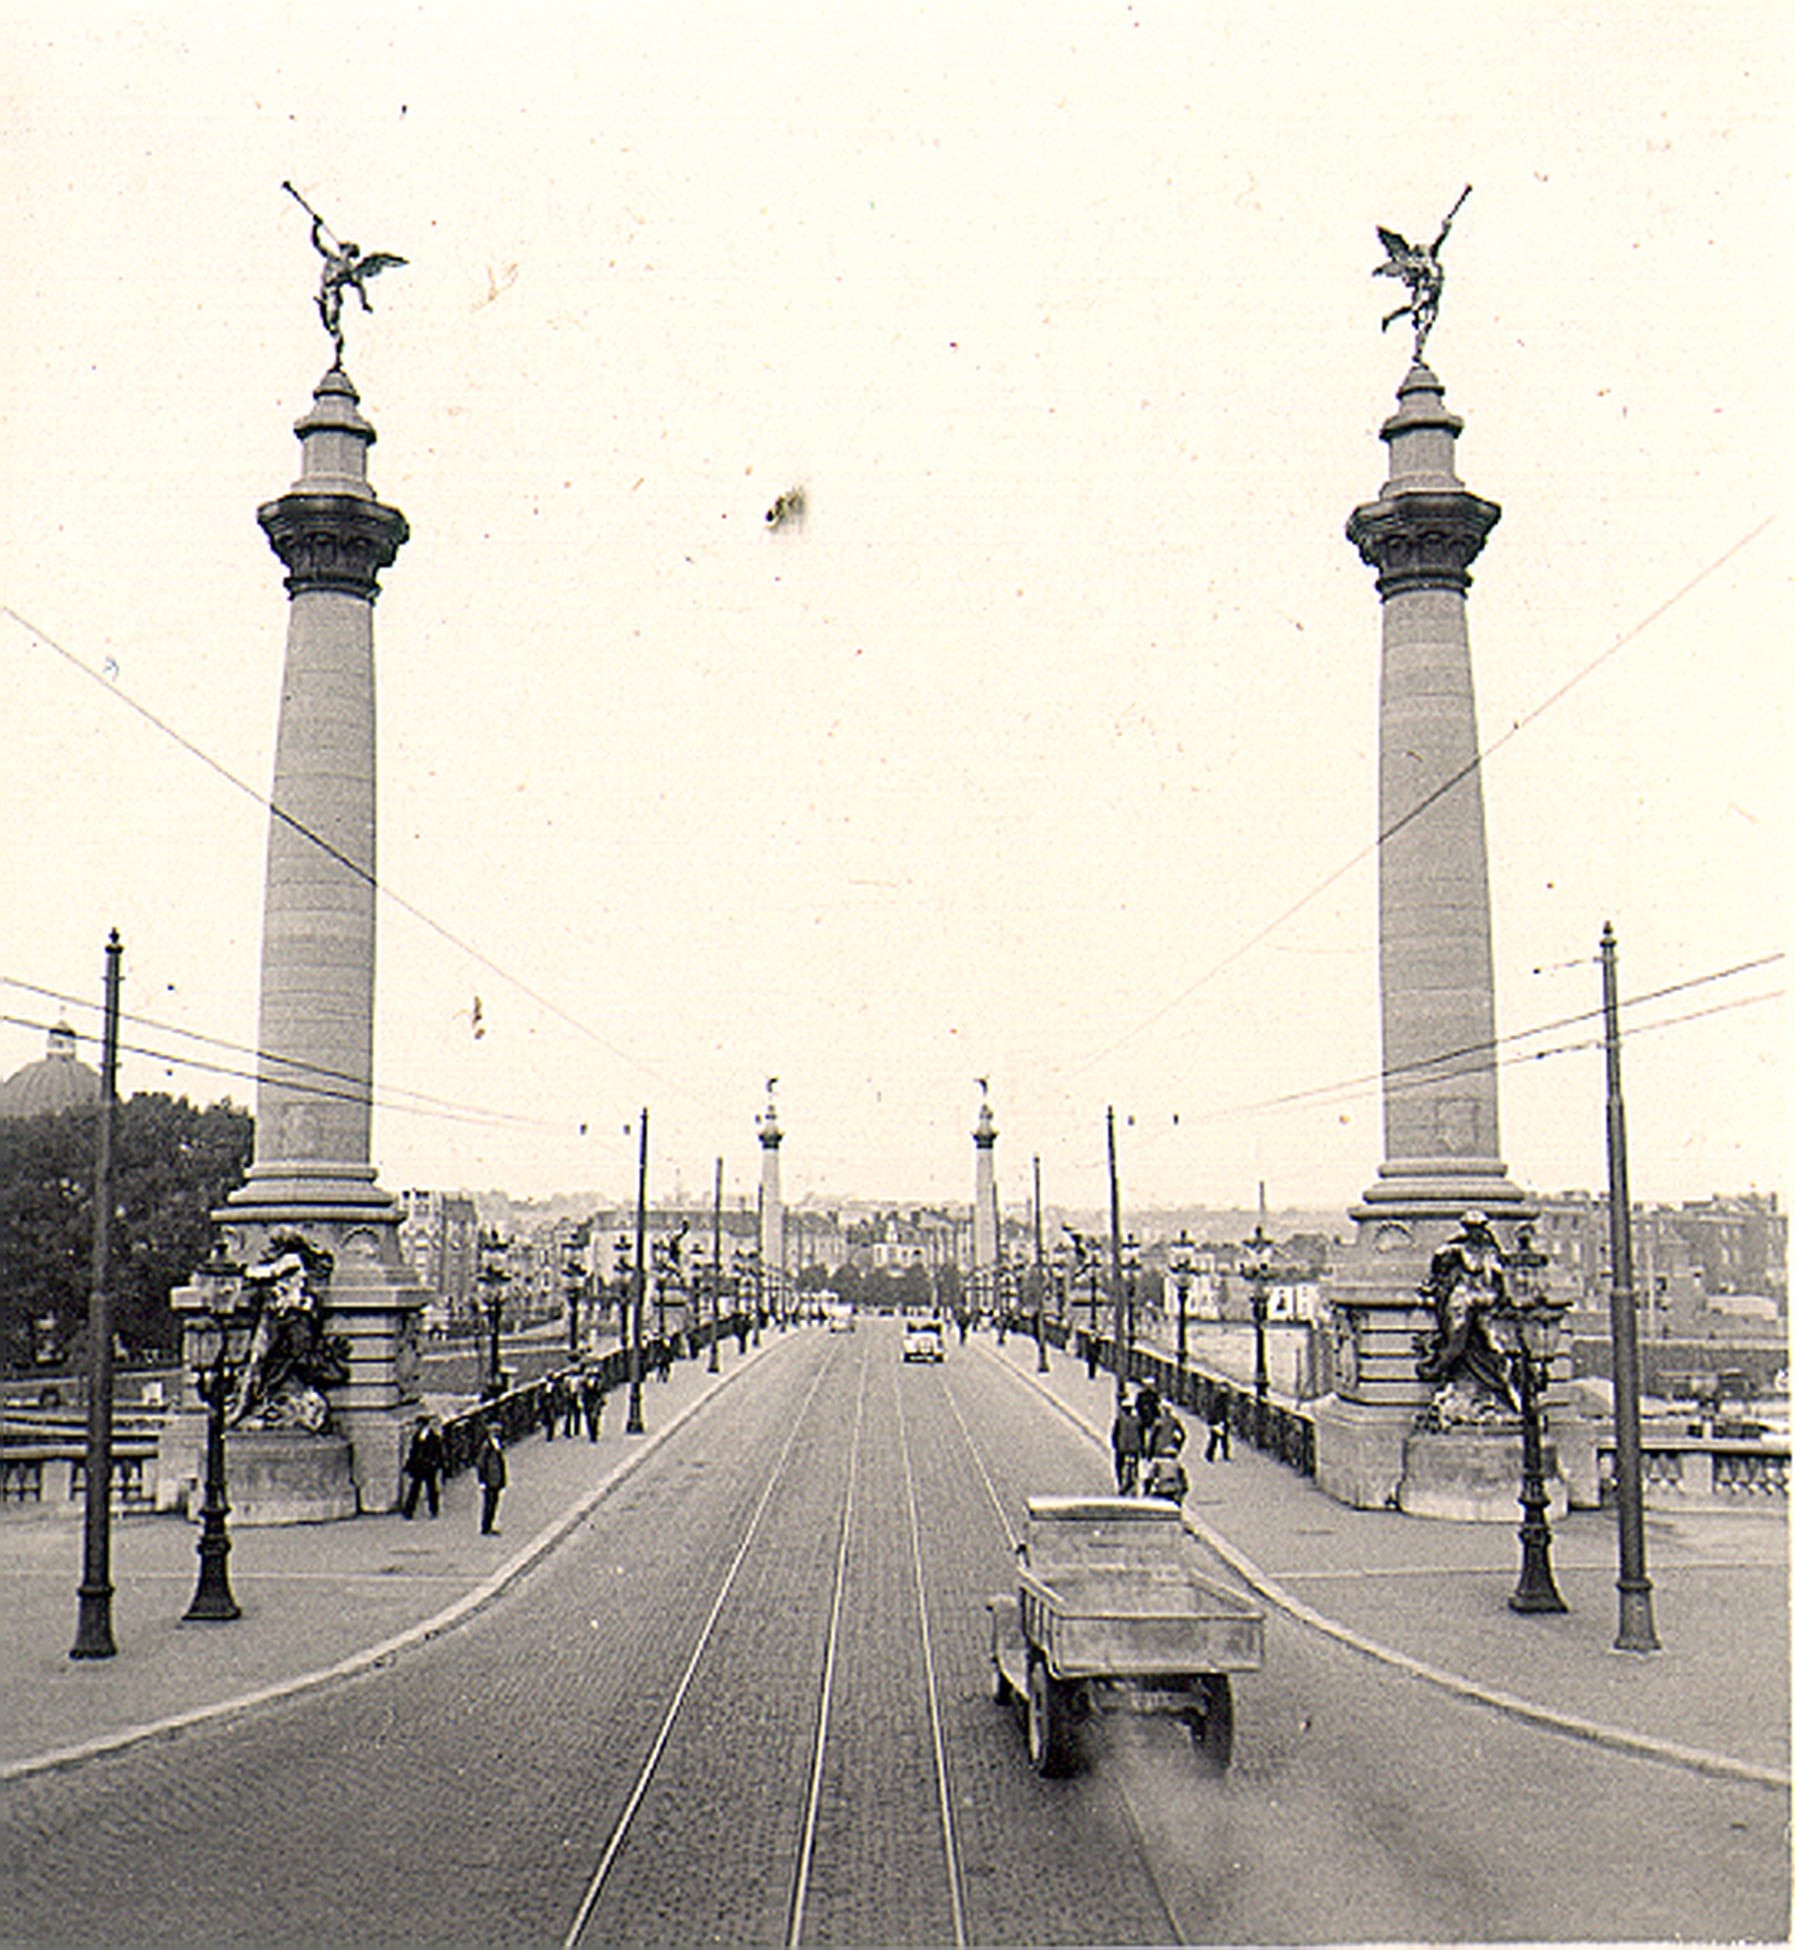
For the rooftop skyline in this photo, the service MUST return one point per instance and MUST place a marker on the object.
(1040, 746)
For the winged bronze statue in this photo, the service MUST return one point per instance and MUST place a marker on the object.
(345, 269)
(1419, 268)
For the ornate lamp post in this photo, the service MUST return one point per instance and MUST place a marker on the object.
(1258, 1274)
(218, 1339)
(574, 1277)
(1181, 1269)
(493, 1277)
(1131, 1273)
(1527, 1321)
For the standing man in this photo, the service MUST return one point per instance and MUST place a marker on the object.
(1219, 1437)
(592, 1402)
(424, 1467)
(1125, 1440)
(571, 1386)
(489, 1466)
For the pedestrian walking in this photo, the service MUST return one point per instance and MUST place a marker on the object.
(1165, 1466)
(1125, 1440)
(1146, 1406)
(423, 1468)
(592, 1405)
(1219, 1436)
(548, 1404)
(570, 1405)
(489, 1466)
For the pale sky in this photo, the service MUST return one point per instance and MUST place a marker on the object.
(1044, 750)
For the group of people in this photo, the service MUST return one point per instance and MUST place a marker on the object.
(566, 1401)
(1148, 1440)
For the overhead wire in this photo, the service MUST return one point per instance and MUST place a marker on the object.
(1422, 805)
(365, 874)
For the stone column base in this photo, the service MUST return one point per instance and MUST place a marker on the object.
(1472, 1476)
(1358, 1451)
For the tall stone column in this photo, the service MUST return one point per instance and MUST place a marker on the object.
(984, 1201)
(312, 1177)
(772, 1209)
(1442, 1150)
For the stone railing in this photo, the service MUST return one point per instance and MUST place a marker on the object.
(1705, 1472)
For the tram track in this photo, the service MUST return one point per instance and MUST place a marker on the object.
(905, 1503)
(800, 1921)
(639, 1790)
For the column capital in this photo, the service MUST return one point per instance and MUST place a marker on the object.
(333, 541)
(1422, 541)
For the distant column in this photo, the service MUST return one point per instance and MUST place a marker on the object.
(984, 1197)
(772, 1206)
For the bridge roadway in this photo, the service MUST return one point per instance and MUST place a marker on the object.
(747, 1700)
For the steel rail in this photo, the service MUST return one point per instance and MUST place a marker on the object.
(813, 1800)
(950, 1845)
(620, 1831)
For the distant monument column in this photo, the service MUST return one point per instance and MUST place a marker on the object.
(312, 1180)
(1442, 1154)
(984, 1199)
(772, 1207)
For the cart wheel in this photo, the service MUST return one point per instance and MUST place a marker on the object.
(1050, 1732)
(1211, 1721)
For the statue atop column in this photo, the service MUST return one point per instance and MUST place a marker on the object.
(344, 270)
(1419, 268)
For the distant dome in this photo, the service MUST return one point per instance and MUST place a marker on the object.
(56, 1082)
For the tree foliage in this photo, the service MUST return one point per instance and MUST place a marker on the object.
(172, 1164)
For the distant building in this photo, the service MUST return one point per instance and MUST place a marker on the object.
(56, 1081)
(1698, 1268)
(440, 1238)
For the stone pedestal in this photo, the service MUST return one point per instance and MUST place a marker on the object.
(1471, 1476)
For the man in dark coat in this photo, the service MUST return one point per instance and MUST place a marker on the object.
(489, 1466)
(1219, 1437)
(1125, 1440)
(424, 1467)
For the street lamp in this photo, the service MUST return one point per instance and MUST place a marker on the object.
(1131, 1269)
(217, 1341)
(574, 1274)
(1527, 1322)
(1258, 1274)
(1182, 1267)
(493, 1277)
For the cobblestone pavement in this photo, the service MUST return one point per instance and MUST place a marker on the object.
(464, 1790)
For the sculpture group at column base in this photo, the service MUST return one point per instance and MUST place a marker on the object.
(372, 1303)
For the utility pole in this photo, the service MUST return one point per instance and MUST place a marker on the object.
(93, 1630)
(1121, 1363)
(1040, 1277)
(634, 1425)
(1636, 1633)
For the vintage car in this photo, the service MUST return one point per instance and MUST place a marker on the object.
(923, 1339)
(1111, 1615)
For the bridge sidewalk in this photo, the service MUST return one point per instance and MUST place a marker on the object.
(1434, 1594)
(313, 1596)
